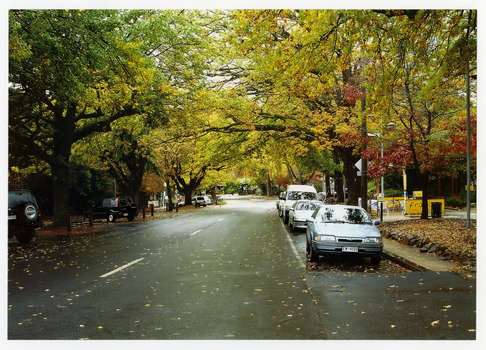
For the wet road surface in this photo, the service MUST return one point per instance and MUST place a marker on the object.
(222, 272)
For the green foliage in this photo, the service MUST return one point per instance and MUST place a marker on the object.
(199, 97)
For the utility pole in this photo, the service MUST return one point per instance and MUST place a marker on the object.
(468, 218)
(468, 106)
(364, 164)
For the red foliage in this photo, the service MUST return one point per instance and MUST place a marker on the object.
(352, 93)
(391, 160)
(430, 155)
(459, 136)
(282, 181)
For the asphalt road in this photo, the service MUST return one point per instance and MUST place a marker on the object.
(230, 272)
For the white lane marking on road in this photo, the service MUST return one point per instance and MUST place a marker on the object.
(195, 232)
(292, 245)
(220, 219)
(121, 268)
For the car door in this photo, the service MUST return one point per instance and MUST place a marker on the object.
(98, 210)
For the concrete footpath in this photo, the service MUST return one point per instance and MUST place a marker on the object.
(412, 257)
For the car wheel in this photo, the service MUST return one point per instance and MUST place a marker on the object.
(313, 256)
(375, 260)
(291, 226)
(25, 236)
(307, 246)
(111, 217)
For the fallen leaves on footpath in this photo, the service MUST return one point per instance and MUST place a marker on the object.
(452, 233)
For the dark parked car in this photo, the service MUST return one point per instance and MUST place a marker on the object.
(114, 208)
(23, 215)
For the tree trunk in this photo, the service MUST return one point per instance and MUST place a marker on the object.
(60, 189)
(350, 173)
(214, 195)
(338, 186)
(327, 181)
(59, 162)
(424, 179)
(292, 176)
(352, 182)
(269, 184)
(169, 205)
(187, 196)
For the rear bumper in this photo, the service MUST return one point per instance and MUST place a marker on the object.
(300, 224)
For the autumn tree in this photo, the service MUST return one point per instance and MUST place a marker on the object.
(122, 153)
(419, 82)
(187, 149)
(71, 73)
(318, 74)
(305, 74)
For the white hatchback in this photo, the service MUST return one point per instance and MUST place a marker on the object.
(201, 200)
(300, 212)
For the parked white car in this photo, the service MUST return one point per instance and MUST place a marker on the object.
(280, 203)
(343, 230)
(300, 212)
(201, 200)
(295, 193)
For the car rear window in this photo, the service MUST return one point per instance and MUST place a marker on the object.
(124, 201)
(16, 199)
(108, 202)
(296, 195)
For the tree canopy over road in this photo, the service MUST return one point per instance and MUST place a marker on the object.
(193, 97)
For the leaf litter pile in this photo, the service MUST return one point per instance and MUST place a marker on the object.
(451, 233)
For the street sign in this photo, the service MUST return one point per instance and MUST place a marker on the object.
(358, 165)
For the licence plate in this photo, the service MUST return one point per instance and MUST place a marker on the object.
(350, 249)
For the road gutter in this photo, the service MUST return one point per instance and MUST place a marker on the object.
(403, 262)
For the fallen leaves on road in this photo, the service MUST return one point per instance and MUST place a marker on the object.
(354, 264)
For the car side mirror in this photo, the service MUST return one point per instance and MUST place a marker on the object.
(376, 222)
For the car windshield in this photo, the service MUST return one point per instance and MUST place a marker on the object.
(306, 206)
(296, 195)
(345, 215)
